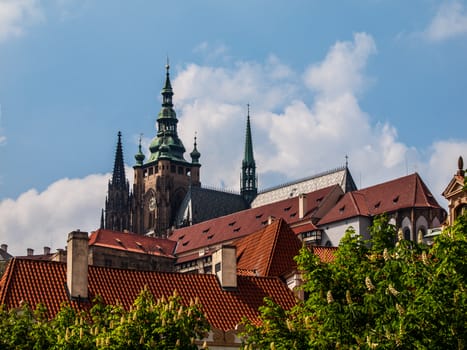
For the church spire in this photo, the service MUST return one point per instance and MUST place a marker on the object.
(118, 176)
(167, 139)
(248, 187)
(117, 204)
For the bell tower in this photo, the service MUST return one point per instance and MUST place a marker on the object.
(161, 183)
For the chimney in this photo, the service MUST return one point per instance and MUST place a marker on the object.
(46, 250)
(30, 252)
(77, 265)
(224, 262)
(4, 247)
(302, 209)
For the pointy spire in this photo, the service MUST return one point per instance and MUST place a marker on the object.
(248, 158)
(167, 139)
(248, 186)
(118, 176)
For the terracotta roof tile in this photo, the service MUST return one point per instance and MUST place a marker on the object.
(44, 282)
(405, 192)
(325, 254)
(132, 242)
(270, 251)
(245, 222)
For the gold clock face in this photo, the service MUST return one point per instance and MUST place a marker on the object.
(152, 204)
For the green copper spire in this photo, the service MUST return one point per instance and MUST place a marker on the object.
(139, 156)
(248, 187)
(167, 136)
(195, 153)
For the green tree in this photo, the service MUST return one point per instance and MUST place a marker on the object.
(149, 324)
(376, 295)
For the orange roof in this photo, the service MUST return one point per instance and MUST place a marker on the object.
(325, 254)
(270, 251)
(132, 242)
(405, 192)
(242, 223)
(44, 282)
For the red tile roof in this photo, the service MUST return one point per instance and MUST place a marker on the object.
(240, 224)
(132, 242)
(325, 254)
(44, 282)
(405, 192)
(270, 251)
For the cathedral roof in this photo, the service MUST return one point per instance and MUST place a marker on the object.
(340, 176)
(405, 192)
(45, 282)
(201, 204)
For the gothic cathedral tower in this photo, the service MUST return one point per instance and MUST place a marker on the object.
(248, 180)
(118, 201)
(161, 183)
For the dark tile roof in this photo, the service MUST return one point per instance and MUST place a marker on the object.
(270, 251)
(405, 192)
(44, 282)
(132, 242)
(240, 224)
(206, 204)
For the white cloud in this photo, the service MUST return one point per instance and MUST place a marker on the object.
(341, 70)
(15, 15)
(450, 21)
(34, 219)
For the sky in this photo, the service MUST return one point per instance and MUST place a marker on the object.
(383, 82)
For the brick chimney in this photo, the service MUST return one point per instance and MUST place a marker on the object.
(77, 264)
(302, 209)
(4, 247)
(46, 250)
(30, 252)
(224, 262)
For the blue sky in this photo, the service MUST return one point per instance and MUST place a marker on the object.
(381, 81)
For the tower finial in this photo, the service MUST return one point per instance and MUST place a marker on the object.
(167, 65)
(346, 161)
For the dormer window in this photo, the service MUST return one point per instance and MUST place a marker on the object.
(236, 229)
(378, 204)
(259, 216)
(395, 199)
(341, 209)
(232, 223)
(287, 208)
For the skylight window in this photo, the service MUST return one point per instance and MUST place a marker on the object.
(395, 200)
(232, 223)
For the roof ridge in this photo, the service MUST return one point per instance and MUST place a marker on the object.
(285, 184)
(277, 231)
(5, 280)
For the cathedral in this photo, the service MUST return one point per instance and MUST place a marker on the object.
(167, 191)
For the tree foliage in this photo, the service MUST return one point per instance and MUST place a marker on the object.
(382, 295)
(149, 324)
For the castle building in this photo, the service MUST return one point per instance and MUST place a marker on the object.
(167, 189)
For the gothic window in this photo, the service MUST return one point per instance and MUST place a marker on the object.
(406, 232)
